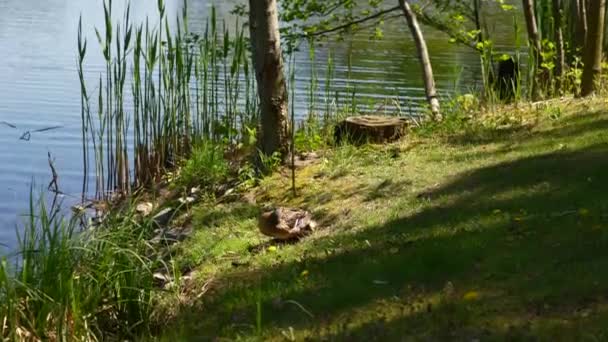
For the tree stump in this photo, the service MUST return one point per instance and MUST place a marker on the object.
(370, 128)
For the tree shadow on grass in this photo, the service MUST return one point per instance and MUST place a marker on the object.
(386, 188)
(482, 135)
(524, 138)
(447, 317)
(576, 125)
(529, 233)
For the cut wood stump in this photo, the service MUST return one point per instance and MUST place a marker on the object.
(370, 128)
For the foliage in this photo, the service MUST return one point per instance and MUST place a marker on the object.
(271, 163)
(309, 140)
(464, 21)
(317, 19)
(247, 176)
(461, 113)
(206, 167)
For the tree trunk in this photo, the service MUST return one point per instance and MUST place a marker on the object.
(268, 63)
(605, 43)
(425, 60)
(477, 15)
(534, 40)
(559, 42)
(581, 24)
(592, 55)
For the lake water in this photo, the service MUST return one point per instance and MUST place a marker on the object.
(39, 85)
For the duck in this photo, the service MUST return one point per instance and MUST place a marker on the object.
(286, 224)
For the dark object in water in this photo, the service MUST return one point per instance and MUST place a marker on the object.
(286, 224)
(505, 82)
(370, 128)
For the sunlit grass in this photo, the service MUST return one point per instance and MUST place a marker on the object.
(519, 235)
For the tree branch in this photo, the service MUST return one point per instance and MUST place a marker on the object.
(424, 18)
(427, 20)
(354, 22)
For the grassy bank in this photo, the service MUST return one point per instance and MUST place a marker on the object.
(481, 227)
(485, 226)
(491, 228)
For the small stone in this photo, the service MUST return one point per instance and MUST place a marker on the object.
(144, 208)
(172, 236)
(194, 191)
(187, 200)
(161, 279)
(310, 155)
(163, 217)
(156, 239)
(305, 159)
(178, 234)
(181, 280)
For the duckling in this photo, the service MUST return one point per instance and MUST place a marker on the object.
(285, 224)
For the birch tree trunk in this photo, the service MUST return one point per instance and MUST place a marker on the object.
(592, 55)
(559, 39)
(425, 60)
(534, 40)
(581, 27)
(269, 71)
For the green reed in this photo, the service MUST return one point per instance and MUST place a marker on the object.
(67, 284)
(329, 75)
(183, 89)
(292, 128)
(313, 85)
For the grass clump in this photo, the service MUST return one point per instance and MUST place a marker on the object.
(68, 284)
(206, 167)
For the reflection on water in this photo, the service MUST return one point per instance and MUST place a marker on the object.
(39, 89)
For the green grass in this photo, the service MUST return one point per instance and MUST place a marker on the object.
(67, 284)
(493, 229)
(205, 167)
